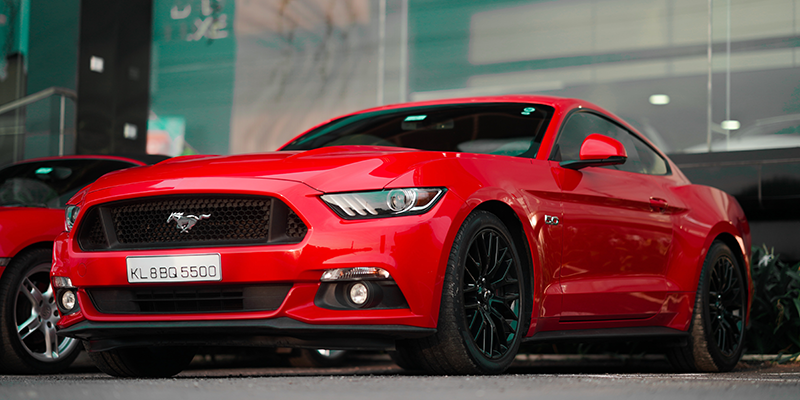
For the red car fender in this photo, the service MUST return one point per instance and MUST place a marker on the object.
(478, 198)
(473, 194)
(694, 233)
(60, 253)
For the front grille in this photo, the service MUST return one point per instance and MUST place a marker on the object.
(189, 299)
(295, 228)
(183, 221)
(145, 222)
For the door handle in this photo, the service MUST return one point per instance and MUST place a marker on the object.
(657, 204)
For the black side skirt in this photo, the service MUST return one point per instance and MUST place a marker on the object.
(610, 334)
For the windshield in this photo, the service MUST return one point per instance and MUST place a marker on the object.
(51, 183)
(498, 128)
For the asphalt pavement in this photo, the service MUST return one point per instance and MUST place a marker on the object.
(372, 376)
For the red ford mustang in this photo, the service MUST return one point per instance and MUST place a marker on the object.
(450, 230)
(33, 194)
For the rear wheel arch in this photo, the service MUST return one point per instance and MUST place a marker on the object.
(729, 240)
(733, 244)
(717, 328)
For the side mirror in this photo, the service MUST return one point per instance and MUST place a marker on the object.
(598, 150)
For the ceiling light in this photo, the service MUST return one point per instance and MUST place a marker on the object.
(659, 99)
(731, 125)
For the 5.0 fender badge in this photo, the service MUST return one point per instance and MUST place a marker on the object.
(184, 223)
(550, 220)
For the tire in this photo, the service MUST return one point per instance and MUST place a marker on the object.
(404, 361)
(716, 334)
(28, 317)
(484, 310)
(318, 358)
(143, 362)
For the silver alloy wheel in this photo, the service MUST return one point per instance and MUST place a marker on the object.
(36, 315)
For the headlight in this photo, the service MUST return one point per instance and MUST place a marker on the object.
(383, 203)
(70, 215)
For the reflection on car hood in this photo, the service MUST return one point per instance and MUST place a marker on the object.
(327, 169)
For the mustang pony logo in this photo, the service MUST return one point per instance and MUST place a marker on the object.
(187, 222)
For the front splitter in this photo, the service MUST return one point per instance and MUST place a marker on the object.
(275, 332)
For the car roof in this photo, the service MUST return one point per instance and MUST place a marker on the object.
(512, 98)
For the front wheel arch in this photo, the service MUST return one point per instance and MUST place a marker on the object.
(519, 236)
(490, 300)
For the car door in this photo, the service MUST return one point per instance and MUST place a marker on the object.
(617, 230)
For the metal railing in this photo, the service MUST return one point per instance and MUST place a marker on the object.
(64, 93)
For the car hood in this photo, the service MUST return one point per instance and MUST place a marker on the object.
(328, 169)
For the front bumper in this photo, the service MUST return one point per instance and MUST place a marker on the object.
(410, 248)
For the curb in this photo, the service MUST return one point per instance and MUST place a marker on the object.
(770, 357)
(645, 357)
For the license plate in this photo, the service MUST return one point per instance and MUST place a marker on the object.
(187, 268)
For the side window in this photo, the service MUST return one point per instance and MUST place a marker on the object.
(633, 163)
(576, 129)
(652, 163)
(641, 158)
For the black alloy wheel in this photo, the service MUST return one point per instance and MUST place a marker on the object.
(484, 311)
(717, 329)
(726, 305)
(491, 291)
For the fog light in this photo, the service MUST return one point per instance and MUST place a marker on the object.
(68, 300)
(359, 294)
